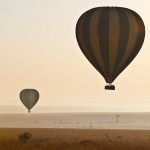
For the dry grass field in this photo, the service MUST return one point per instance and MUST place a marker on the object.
(75, 139)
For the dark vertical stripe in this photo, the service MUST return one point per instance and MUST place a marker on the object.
(103, 31)
(85, 32)
(123, 38)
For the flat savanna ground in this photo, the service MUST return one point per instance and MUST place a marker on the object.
(75, 139)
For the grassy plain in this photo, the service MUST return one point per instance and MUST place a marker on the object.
(75, 139)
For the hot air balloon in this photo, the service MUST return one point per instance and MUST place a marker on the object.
(29, 98)
(110, 38)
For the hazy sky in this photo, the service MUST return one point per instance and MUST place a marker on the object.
(38, 49)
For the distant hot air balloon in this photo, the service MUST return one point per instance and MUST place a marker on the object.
(29, 98)
(110, 38)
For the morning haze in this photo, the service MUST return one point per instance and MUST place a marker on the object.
(39, 50)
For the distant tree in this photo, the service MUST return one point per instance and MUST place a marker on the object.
(117, 118)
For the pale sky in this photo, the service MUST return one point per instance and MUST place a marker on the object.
(38, 49)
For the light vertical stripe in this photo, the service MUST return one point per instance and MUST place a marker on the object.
(114, 32)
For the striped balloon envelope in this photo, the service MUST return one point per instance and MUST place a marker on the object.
(110, 38)
(29, 98)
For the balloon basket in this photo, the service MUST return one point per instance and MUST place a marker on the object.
(109, 87)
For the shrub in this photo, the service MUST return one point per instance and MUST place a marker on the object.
(25, 136)
(85, 142)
